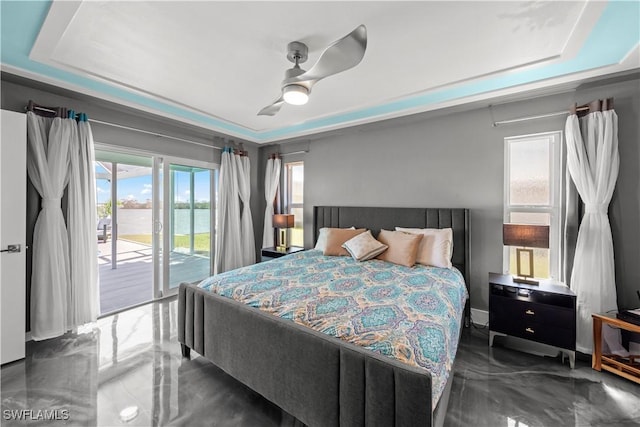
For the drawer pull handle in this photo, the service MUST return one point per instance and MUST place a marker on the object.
(530, 312)
(531, 331)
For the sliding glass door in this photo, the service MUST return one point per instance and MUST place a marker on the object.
(156, 228)
(189, 219)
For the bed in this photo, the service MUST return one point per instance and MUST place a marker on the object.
(318, 378)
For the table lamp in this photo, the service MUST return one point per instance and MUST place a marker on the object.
(282, 222)
(525, 236)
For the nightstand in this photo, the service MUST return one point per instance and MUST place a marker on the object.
(273, 253)
(545, 313)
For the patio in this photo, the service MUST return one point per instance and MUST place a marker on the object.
(131, 283)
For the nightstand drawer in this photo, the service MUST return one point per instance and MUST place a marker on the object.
(563, 337)
(533, 295)
(558, 337)
(524, 311)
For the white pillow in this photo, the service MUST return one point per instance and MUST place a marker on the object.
(322, 238)
(436, 247)
(364, 246)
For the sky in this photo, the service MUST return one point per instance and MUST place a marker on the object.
(140, 188)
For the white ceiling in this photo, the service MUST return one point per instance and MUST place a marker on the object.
(218, 63)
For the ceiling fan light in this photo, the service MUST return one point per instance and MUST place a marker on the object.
(295, 94)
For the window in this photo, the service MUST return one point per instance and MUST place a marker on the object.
(533, 195)
(294, 197)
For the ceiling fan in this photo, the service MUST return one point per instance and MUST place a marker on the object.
(341, 55)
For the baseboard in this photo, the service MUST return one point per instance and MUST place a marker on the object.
(479, 317)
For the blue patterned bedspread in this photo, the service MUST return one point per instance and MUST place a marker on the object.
(410, 314)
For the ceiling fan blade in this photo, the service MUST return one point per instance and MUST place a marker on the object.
(272, 109)
(342, 55)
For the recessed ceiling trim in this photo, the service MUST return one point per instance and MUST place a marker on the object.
(60, 15)
(608, 47)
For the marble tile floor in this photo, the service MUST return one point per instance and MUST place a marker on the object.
(130, 364)
(503, 387)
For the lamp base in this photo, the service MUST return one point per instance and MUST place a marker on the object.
(525, 281)
(282, 244)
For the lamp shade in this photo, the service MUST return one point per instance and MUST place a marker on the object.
(282, 221)
(526, 235)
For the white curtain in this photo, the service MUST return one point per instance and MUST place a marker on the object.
(271, 182)
(64, 279)
(248, 243)
(48, 166)
(228, 237)
(593, 161)
(83, 246)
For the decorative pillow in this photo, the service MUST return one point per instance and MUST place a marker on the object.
(403, 247)
(322, 237)
(436, 247)
(336, 238)
(364, 247)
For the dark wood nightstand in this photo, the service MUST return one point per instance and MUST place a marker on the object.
(273, 253)
(545, 313)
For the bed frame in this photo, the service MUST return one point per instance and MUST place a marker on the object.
(319, 379)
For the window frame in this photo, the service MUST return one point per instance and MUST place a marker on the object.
(556, 195)
(288, 193)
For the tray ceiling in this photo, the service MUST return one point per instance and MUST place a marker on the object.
(216, 64)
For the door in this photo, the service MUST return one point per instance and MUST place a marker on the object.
(13, 190)
(188, 222)
(125, 189)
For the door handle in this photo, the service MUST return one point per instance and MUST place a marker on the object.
(12, 249)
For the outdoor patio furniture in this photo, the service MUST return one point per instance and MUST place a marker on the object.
(104, 229)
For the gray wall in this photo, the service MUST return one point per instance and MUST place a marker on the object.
(456, 159)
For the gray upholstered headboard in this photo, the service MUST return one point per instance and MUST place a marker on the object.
(377, 218)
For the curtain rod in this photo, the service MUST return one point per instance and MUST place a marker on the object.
(135, 129)
(540, 116)
(161, 135)
(294, 152)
